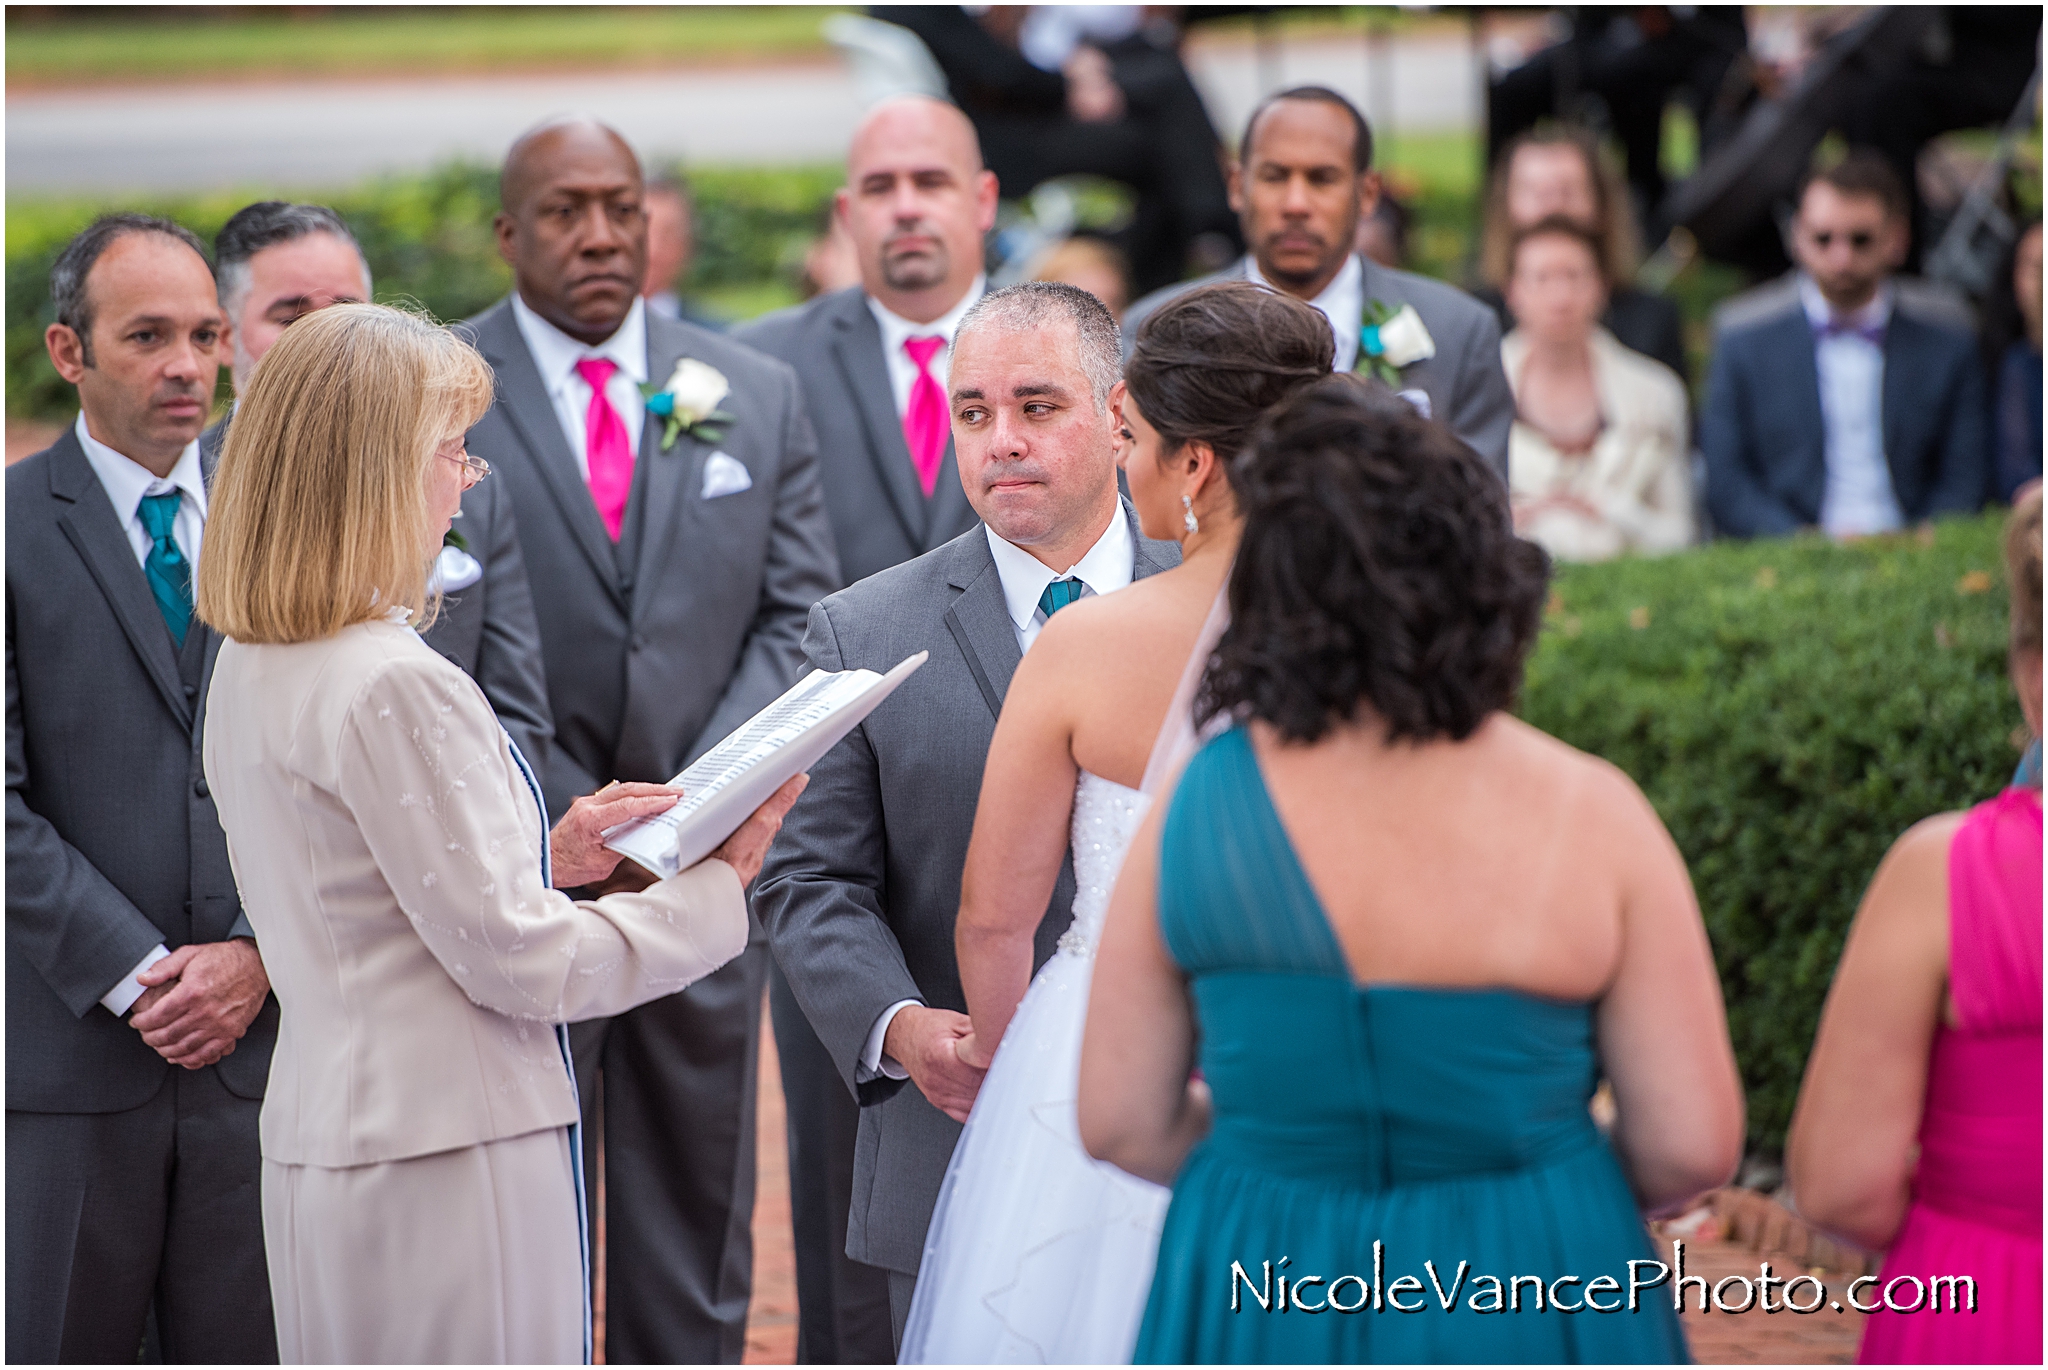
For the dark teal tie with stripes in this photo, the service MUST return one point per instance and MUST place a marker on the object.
(1059, 595)
(170, 575)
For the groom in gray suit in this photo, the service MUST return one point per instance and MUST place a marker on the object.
(916, 203)
(1303, 181)
(673, 557)
(860, 891)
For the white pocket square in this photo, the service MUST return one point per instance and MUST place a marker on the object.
(724, 475)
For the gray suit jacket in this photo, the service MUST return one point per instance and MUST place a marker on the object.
(880, 515)
(488, 628)
(113, 844)
(860, 891)
(1467, 389)
(658, 645)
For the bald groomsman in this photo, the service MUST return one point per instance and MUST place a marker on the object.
(674, 554)
(917, 204)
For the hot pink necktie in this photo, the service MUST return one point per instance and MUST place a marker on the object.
(609, 456)
(926, 424)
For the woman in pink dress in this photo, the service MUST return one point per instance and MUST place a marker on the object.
(1931, 1040)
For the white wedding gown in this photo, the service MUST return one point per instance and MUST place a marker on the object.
(1037, 1252)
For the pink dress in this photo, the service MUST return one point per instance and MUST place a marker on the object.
(1977, 1191)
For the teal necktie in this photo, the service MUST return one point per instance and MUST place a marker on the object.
(170, 575)
(1059, 595)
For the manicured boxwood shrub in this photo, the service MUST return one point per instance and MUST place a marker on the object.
(428, 240)
(1790, 708)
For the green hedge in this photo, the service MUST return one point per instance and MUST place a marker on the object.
(1790, 708)
(428, 240)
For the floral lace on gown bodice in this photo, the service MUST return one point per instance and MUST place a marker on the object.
(1106, 818)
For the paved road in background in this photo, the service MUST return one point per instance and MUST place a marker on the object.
(308, 135)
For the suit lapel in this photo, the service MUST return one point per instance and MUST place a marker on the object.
(857, 348)
(1800, 375)
(524, 398)
(1901, 359)
(666, 482)
(87, 520)
(980, 620)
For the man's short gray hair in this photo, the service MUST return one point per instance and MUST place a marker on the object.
(266, 224)
(1034, 304)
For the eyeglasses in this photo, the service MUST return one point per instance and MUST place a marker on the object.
(1860, 240)
(474, 469)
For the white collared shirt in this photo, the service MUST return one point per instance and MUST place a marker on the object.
(126, 483)
(1107, 566)
(896, 330)
(1342, 303)
(555, 355)
(1859, 497)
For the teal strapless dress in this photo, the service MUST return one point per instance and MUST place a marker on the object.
(1449, 1125)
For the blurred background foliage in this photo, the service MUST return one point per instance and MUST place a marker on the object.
(1790, 707)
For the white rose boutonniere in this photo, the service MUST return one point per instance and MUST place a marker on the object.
(689, 402)
(1390, 340)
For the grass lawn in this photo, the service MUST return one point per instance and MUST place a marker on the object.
(190, 42)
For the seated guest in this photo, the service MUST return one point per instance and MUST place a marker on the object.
(671, 244)
(1841, 409)
(1470, 921)
(1918, 1128)
(1089, 263)
(1304, 179)
(276, 262)
(419, 1202)
(1560, 171)
(2016, 374)
(1597, 457)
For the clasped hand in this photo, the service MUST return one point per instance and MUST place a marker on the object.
(199, 1000)
(936, 1047)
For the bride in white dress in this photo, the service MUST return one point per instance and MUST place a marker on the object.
(1036, 1251)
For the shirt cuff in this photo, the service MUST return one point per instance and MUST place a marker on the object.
(122, 997)
(872, 1062)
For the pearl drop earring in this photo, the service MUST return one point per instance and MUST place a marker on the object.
(1187, 518)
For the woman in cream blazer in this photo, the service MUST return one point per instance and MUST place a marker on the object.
(420, 1187)
(1599, 455)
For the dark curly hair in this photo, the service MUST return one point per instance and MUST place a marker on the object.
(1208, 364)
(1379, 567)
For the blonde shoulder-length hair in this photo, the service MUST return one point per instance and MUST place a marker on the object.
(318, 514)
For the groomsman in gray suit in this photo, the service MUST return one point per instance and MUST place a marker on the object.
(1303, 181)
(874, 358)
(139, 1017)
(274, 262)
(675, 544)
(860, 891)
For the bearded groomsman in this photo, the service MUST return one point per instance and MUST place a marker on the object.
(275, 262)
(139, 1017)
(917, 203)
(675, 543)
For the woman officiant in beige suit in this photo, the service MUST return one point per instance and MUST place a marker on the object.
(419, 1183)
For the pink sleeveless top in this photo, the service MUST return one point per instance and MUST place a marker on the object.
(1977, 1190)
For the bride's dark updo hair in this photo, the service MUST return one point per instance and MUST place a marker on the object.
(1208, 364)
(1379, 568)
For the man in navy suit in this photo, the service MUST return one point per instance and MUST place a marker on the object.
(1843, 410)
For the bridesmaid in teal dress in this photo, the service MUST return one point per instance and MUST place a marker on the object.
(1402, 936)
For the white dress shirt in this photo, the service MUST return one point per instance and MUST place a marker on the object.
(896, 330)
(1106, 567)
(1859, 496)
(555, 355)
(1342, 303)
(126, 483)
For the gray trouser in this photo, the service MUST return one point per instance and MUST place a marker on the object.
(668, 1095)
(111, 1213)
(902, 1288)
